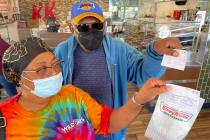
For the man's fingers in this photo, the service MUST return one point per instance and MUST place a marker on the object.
(174, 43)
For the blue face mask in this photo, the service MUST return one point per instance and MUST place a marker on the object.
(48, 86)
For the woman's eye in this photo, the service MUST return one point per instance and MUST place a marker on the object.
(57, 64)
(43, 69)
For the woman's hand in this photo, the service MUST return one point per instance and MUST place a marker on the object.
(121, 117)
(150, 90)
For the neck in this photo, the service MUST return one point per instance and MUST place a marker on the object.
(31, 102)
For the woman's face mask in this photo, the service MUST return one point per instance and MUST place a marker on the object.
(48, 86)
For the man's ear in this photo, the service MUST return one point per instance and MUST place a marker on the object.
(105, 27)
(105, 23)
(71, 27)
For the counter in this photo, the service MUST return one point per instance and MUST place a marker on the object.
(187, 78)
(53, 39)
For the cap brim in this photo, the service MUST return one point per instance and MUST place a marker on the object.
(76, 19)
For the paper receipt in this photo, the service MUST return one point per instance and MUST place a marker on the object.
(176, 62)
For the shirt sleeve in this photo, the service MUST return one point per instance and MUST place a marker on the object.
(99, 115)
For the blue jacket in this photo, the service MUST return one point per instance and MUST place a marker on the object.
(125, 64)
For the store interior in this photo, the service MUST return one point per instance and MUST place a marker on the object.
(136, 22)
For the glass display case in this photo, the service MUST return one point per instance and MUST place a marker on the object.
(135, 32)
(191, 37)
(187, 32)
(139, 33)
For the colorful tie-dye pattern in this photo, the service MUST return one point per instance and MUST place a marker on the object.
(71, 115)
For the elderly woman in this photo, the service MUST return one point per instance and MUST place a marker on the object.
(44, 110)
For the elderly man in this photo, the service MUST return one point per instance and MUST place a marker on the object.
(102, 65)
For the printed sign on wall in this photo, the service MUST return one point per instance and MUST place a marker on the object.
(4, 6)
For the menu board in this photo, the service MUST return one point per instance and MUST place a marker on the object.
(4, 6)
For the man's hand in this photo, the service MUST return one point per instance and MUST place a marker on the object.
(150, 90)
(167, 46)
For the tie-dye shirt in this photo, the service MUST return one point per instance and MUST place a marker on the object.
(71, 115)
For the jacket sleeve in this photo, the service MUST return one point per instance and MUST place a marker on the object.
(140, 68)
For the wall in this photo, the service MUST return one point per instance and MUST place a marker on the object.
(167, 8)
(204, 79)
(159, 10)
(62, 8)
(12, 26)
(146, 7)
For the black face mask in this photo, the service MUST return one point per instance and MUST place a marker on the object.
(91, 40)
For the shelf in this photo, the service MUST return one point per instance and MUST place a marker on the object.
(184, 28)
(186, 47)
(186, 41)
(184, 34)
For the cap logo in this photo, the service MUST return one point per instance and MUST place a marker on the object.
(86, 5)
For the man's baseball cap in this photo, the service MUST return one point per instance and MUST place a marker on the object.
(86, 8)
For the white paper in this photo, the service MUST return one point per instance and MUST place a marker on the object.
(182, 98)
(164, 32)
(168, 126)
(176, 62)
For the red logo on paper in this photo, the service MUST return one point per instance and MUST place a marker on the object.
(178, 115)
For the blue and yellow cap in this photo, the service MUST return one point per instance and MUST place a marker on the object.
(86, 8)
